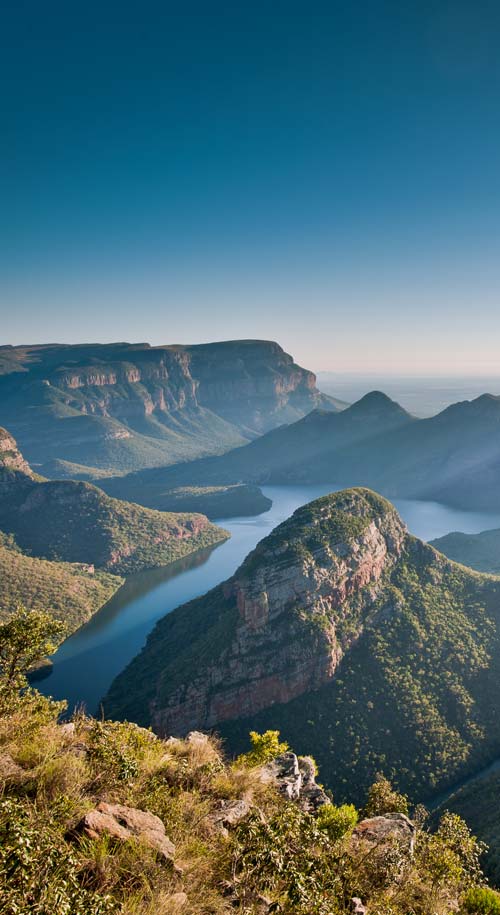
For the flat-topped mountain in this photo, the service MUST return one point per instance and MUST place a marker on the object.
(92, 409)
(453, 457)
(346, 633)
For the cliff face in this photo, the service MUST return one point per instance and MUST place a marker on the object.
(122, 407)
(284, 620)
(11, 459)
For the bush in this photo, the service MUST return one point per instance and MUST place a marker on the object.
(265, 747)
(337, 821)
(382, 798)
(480, 900)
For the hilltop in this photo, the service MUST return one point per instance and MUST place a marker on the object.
(351, 636)
(479, 551)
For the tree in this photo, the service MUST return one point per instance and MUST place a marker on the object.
(382, 798)
(26, 638)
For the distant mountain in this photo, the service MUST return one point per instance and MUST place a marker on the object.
(310, 450)
(453, 457)
(479, 551)
(89, 410)
(352, 637)
(76, 522)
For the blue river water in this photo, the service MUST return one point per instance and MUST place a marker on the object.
(86, 664)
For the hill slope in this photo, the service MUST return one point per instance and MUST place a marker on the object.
(350, 636)
(479, 551)
(119, 407)
(70, 592)
(76, 522)
(453, 457)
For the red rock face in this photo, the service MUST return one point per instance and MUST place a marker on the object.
(289, 634)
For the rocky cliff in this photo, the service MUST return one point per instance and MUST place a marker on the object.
(11, 459)
(346, 633)
(299, 600)
(119, 407)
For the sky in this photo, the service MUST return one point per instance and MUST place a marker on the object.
(322, 174)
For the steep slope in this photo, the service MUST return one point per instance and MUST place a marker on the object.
(479, 551)
(70, 592)
(76, 522)
(119, 407)
(347, 634)
(453, 457)
(477, 802)
(310, 450)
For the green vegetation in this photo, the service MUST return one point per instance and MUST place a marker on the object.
(274, 857)
(77, 522)
(229, 501)
(69, 591)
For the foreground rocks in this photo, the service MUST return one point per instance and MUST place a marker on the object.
(382, 831)
(124, 823)
(295, 779)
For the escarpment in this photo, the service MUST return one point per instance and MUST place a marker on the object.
(98, 409)
(281, 625)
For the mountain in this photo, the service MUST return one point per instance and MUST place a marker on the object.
(76, 522)
(479, 551)
(477, 802)
(213, 501)
(453, 457)
(305, 451)
(350, 636)
(93, 409)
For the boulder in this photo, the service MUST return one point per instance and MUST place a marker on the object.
(390, 829)
(9, 769)
(123, 823)
(357, 907)
(229, 814)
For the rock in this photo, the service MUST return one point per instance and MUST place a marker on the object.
(178, 901)
(9, 769)
(284, 771)
(312, 796)
(68, 729)
(295, 779)
(229, 814)
(123, 823)
(357, 907)
(384, 830)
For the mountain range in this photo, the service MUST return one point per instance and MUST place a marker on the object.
(453, 457)
(84, 411)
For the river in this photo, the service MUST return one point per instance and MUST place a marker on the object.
(87, 662)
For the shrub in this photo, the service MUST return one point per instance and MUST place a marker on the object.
(337, 821)
(265, 747)
(382, 798)
(481, 900)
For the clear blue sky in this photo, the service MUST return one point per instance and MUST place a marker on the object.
(323, 174)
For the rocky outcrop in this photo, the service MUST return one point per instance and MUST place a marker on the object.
(124, 823)
(382, 831)
(11, 459)
(285, 618)
(295, 778)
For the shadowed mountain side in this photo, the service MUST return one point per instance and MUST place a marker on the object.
(453, 457)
